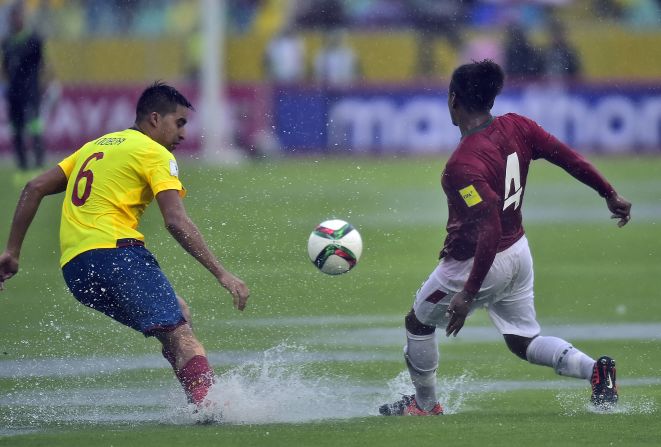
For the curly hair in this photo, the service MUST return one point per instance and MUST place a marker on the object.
(477, 84)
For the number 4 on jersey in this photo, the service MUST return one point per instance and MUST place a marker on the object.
(512, 181)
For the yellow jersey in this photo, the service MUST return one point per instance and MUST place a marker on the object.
(111, 180)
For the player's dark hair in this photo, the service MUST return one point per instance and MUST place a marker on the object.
(160, 98)
(477, 84)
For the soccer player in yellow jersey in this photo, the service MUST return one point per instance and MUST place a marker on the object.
(108, 183)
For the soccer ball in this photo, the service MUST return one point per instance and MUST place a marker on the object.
(335, 246)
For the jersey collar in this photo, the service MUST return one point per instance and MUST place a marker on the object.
(482, 126)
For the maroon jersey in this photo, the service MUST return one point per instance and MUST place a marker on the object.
(485, 179)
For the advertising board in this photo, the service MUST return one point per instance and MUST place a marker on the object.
(608, 119)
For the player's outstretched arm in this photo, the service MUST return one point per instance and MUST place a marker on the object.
(182, 228)
(50, 182)
(620, 207)
(558, 153)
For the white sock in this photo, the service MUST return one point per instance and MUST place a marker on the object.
(560, 355)
(421, 352)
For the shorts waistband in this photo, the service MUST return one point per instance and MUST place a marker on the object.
(129, 242)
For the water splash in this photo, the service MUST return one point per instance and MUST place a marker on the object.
(285, 384)
(274, 389)
(573, 403)
(281, 385)
(452, 392)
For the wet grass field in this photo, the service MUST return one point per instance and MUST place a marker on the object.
(313, 356)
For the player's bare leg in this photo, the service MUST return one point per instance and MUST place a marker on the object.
(190, 362)
(182, 343)
(169, 356)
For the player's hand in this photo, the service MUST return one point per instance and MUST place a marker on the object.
(620, 208)
(8, 267)
(237, 288)
(457, 312)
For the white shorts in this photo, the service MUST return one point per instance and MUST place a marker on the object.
(506, 293)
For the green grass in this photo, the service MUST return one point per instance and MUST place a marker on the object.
(500, 423)
(258, 217)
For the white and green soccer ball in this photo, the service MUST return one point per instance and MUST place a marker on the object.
(335, 246)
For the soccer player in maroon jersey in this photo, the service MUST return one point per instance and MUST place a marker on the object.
(486, 261)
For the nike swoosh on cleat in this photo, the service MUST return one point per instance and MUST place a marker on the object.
(609, 382)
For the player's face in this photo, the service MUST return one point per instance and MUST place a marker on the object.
(172, 128)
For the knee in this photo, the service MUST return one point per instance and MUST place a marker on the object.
(421, 350)
(415, 326)
(518, 344)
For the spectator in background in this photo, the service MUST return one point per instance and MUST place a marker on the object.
(284, 60)
(22, 66)
(522, 59)
(478, 48)
(607, 9)
(336, 64)
(643, 14)
(377, 13)
(241, 14)
(321, 14)
(432, 19)
(108, 17)
(561, 59)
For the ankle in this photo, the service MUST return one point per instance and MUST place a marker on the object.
(196, 377)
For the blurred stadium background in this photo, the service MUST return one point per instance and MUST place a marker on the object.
(382, 89)
(587, 70)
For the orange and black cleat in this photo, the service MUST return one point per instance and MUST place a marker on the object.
(407, 406)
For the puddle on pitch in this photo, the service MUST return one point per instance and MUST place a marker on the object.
(269, 389)
(280, 385)
(573, 402)
(274, 390)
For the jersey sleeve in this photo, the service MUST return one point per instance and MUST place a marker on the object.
(468, 184)
(548, 147)
(162, 171)
(68, 163)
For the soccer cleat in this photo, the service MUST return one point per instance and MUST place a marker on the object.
(604, 387)
(207, 412)
(407, 406)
